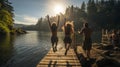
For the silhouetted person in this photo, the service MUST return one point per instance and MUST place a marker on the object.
(87, 43)
(68, 29)
(115, 38)
(119, 38)
(54, 38)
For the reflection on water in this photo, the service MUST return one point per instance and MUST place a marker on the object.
(6, 49)
(24, 50)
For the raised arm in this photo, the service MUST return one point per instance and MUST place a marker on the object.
(64, 22)
(49, 21)
(58, 21)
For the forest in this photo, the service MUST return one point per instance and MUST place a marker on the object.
(100, 14)
(6, 19)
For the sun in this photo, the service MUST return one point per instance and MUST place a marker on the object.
(58, 9)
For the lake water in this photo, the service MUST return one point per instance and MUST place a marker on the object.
(25, 50)
(28, 49)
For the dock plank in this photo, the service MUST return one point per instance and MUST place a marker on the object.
(58, 59)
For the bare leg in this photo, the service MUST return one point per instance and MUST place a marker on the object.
(88, 54)
(69, 46)
(66, 48)
(56, 46)
(65, 45)
(53, 47)
(85, 53)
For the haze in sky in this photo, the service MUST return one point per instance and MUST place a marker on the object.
(29, 11)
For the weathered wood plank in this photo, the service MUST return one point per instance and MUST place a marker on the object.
(58, 66)
(58, 59)
(61, 61)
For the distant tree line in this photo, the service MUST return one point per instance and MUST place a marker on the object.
(99, 14)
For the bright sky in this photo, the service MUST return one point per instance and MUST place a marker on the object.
(28, 11)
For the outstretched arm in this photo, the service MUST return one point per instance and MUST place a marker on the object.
(81, 31)
(49, 21)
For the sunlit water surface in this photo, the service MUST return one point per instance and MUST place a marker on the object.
(25, 50)
(28, 49)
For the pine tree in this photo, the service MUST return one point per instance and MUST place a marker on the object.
(83, 6)
(6, 16)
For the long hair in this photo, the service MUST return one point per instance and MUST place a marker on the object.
(68, 28)
(54, 27)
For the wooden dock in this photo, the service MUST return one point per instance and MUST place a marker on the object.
(59, 59)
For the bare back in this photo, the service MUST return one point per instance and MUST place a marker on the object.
(54, 33)
(87, 32)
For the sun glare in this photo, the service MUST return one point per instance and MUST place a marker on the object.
(58, 9)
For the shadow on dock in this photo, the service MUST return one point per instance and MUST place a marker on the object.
(55, 64)
(50, 63)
